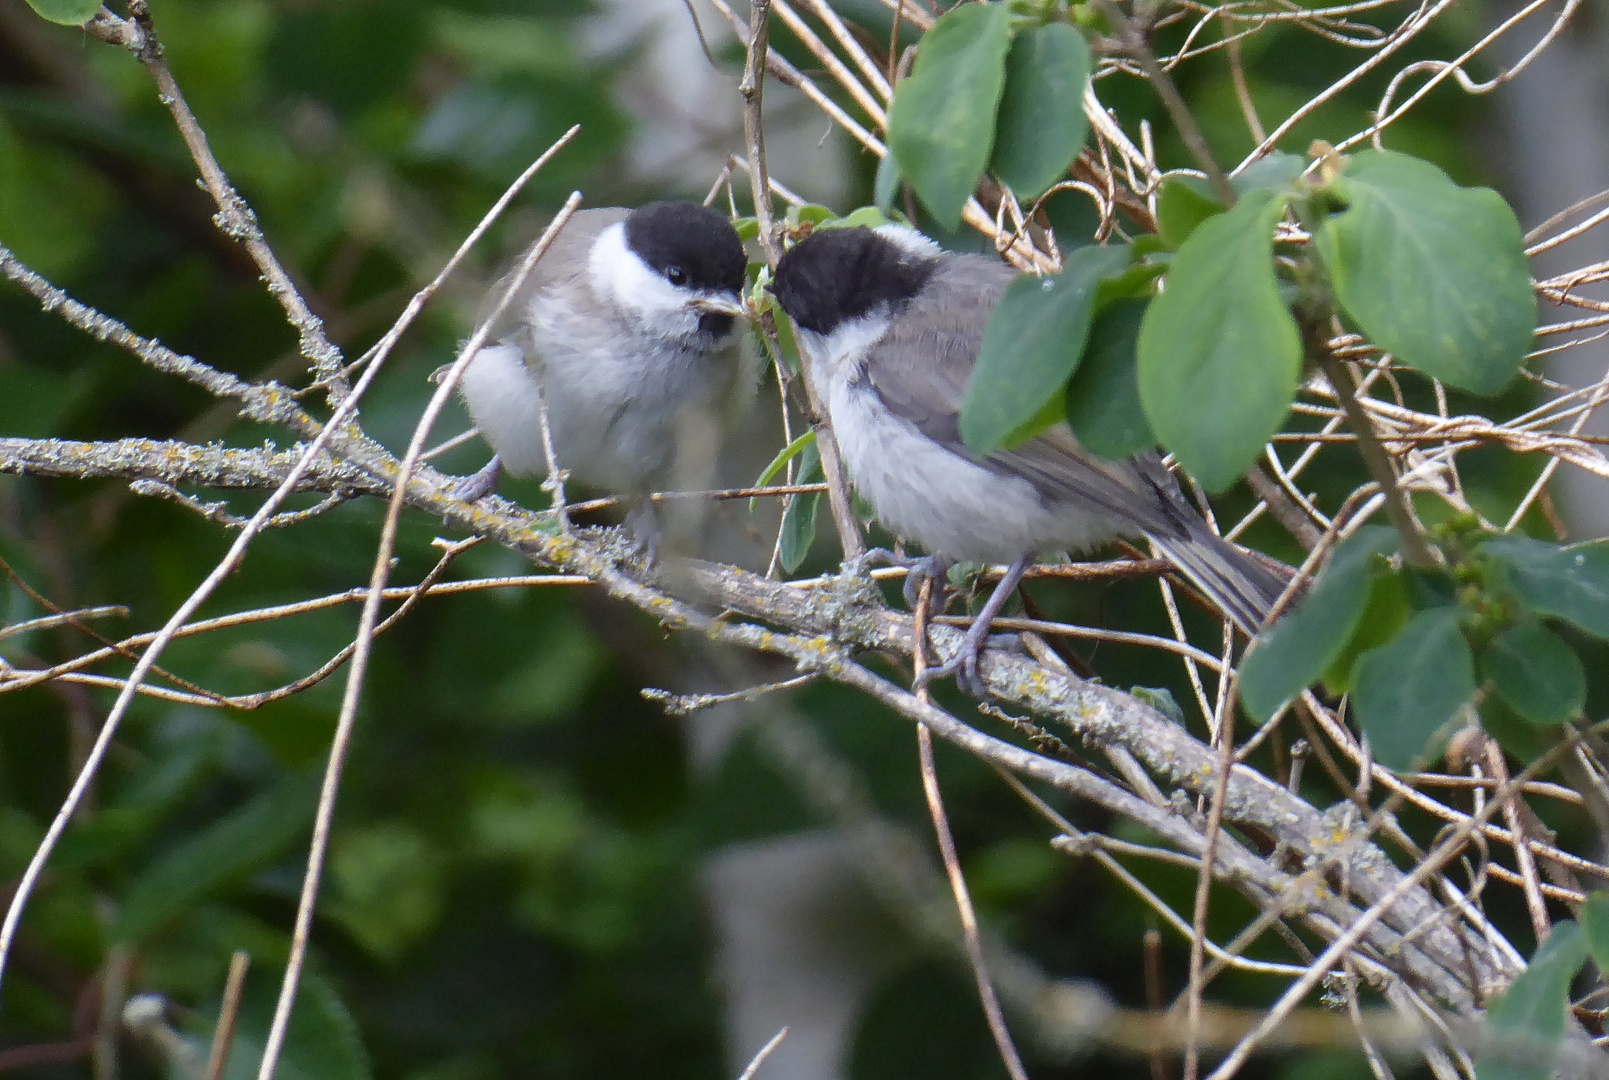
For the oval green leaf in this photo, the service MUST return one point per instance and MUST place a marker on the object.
(1536, 673)
(1291, 655)
(941, 124)
(1529, 1019)
(1385, 612)
(778, 463)
(799, 519)
(1433, 273)
(1041, 127)
(1182, 203)
(66, 12)
(1274, 172)
(1033, 342)
(1570, 583)
(885, 186)
(1410, 689)
(1519, 738)
(1103, 396)
(321, 1042)
(1219, 354)
(1595, 922)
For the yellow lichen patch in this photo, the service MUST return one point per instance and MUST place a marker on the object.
(561, 548)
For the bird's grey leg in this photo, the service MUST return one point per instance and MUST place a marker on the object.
(918, 568)
(964, 664)
(481, 484)
(643, 522)
(936, 567)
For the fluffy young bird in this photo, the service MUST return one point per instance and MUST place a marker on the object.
(893, 325)
(627, 327)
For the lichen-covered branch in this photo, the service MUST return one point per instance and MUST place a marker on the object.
(179, 463)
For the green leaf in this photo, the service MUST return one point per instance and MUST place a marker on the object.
(1182, 203)
(66, 12)
(1134, 283)
(809, 213)
(222, 854)
(1103, 396)
(1031, 345)
(1536, 673)
(1518, 737)
(1276, 172)
(1570, 583)
(785, 455)
(1384, 614)
(1291, 655)
(321, 1042)
(1041, 125)
(1595, 923)
(1529, 1019)
(1219, 355)
(799, 519)
(1410, 688)
(1433, 273)
(885, 186)
(941, 124)
(1053, 411)
(866, 216)
(1161, 699)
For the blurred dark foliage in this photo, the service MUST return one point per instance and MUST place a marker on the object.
(513, 886)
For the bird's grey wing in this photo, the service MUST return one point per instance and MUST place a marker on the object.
(920, 370)
(564, 261)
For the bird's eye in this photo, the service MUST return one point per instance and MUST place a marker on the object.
(675, 275)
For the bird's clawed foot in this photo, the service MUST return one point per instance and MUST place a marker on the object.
(476, 487)
(934, 568)
(964, 665)
(919, 568)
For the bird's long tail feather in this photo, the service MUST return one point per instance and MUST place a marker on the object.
(1234, 581)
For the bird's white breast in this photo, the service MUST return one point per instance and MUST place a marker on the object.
(624, 405)
(923, 492)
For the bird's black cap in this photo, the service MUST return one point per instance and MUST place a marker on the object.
(834, 275)
(688, 241)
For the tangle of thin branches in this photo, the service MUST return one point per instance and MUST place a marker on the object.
(1326, 884)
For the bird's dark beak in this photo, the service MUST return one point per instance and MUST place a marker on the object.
(719, 304)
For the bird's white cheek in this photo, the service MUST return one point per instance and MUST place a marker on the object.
(619, 275)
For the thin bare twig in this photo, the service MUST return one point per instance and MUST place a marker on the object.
(228, 1012)
(1378, 462)
(952, 861)
(763, 1053)
(137, 34)
(364, 642)
(1224, 730)
(753, 90)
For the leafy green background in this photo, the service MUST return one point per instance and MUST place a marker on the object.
(513, 887)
